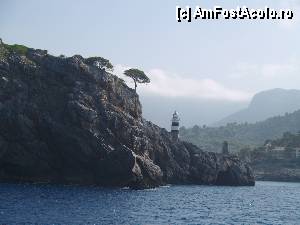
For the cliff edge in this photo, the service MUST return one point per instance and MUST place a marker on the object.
(63, 120)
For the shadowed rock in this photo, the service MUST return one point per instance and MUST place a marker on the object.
(65, 121)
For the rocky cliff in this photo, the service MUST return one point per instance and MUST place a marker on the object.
(63, 120)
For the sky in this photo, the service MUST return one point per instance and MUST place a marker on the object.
(204, 69)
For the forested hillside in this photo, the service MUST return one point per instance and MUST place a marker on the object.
(287, 140)
(241, 135)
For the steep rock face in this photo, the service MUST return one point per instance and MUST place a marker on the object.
(64, 120)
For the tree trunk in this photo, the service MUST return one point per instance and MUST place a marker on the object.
(135, 85)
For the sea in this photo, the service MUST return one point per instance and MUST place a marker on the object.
(265, 203)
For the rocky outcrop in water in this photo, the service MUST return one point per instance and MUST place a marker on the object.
(63, 120)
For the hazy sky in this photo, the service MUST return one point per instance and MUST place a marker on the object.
(203, 61)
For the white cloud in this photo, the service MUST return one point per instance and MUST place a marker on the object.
(172, 85)
(258, 76)
(269, 71)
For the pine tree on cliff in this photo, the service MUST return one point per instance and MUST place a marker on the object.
(101, 63)
(137, 76)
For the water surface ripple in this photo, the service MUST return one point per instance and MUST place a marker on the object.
(266, 203)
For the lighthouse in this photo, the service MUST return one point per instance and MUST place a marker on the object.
(175, 126)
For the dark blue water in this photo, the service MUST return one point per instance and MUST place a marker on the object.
(266, 203)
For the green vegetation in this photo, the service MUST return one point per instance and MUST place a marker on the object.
(100, 62)
(275, 156)
(21, 49)
(288, 140)
(241, 136)
(138, 76)
(3, 52)
(212, 138)
(5, 49)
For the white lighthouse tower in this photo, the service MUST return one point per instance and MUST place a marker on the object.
(175, 126)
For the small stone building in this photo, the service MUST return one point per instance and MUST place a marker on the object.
(225, 148)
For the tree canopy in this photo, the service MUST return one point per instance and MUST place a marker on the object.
(100, 62)
(137, 75)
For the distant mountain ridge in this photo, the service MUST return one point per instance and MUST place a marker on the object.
(264, 105)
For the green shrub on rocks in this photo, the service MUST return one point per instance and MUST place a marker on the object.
(21, 49)
(5, 49)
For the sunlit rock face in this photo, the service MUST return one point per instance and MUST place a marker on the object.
(64, 120)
